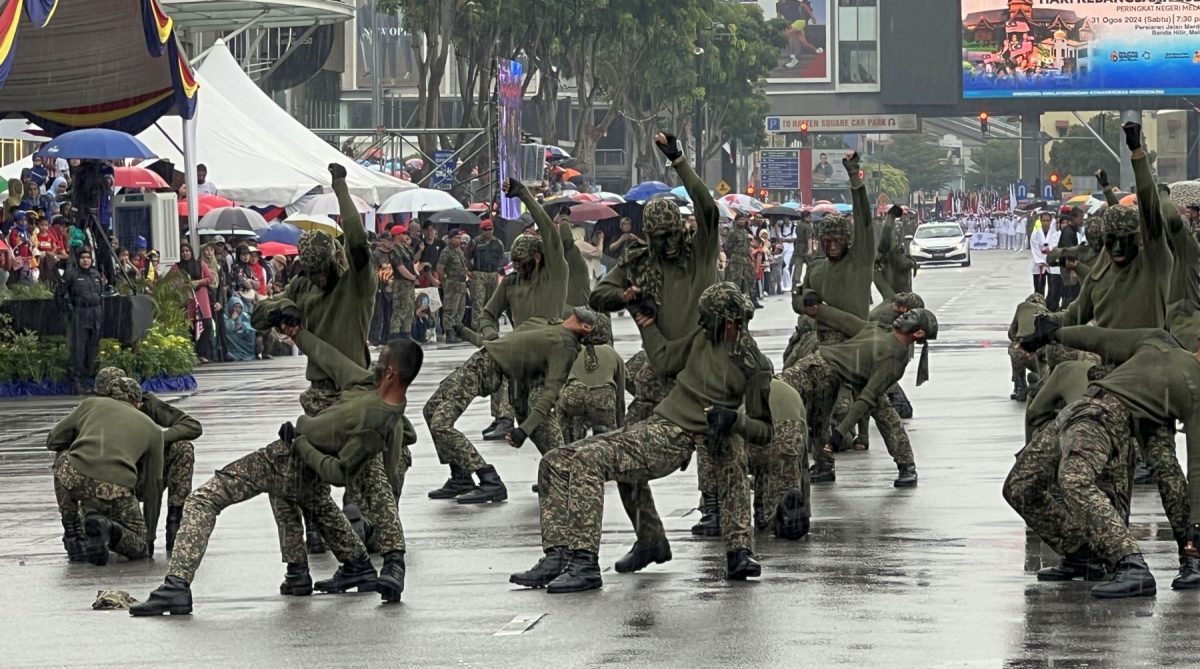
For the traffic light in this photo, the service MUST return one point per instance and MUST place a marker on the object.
(750, 190)
(1054, 179)
(804, 132)
(983, 124)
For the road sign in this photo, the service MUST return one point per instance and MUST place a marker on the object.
(723, 188)
(1022, 190)
(1067, 184)
(780, 169)
(1048, 191)
(443, 169)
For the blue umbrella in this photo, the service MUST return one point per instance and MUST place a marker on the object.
(791, 204)
(95, 144)
(844, 208)
(681, 192)
(647, 190)
(284, 233)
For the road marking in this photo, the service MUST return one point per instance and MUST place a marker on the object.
(520, 625)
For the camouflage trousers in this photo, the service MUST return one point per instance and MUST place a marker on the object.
(1096, 469)
(179, 462)
(549, 435)
(372, 492)
(500, 404)
(454, 304)
(1022, 361)
(845, 398)
(115, 502)
(483, 285)
(404, 308)
(581, 408)
(817, 382)
(1032, 490)
(571, 483)
(742, 276)
(479, 376)
(289, 519)
(780, 466)
(276, 470)
(1158, 451)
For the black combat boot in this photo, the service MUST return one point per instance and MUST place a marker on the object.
(1080, 564)
(390, 583)
(1020, 390)
(490, 427)
(490, 488)
(1189, 575)
(792, 516)
(822, 473)
(73, 541)
(99, 533)
(907, 477)
(1132, 579)
(552, 565)
(297, 582)
(460, 481)
(643, 555)
(173, 597)
(583, 573)
(710, 516)
(356, 574)
(899, 402)
(174, 519)
(503, 427)
(741, 565)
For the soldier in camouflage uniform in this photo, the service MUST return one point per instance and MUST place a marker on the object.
(782, 498)
(594, 397)
(1023, 362)
(740, 268)
(485, 259)
(666, 278)
(404, 282)
(452, 268)
(718, 361)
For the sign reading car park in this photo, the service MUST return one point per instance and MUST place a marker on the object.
(854, 123)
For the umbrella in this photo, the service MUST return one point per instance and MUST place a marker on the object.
(418, 200)
(787, 212)
(415, 164)
(284, 233)
(825, 209)
(609, 198)
(568, 192)
(1099, 195)
(585, 197)
(556, 153)
(1078, 199)
(681, 192)
(137, 177)
(269, 249)
(568, 174)
(238, 221)
(326, 204)
(743, 203)
(205, 203)
(1129, 200)
(315, 222)
(455, 217)
(791, 204)
(95, 144)
(1035, 204)
(479, 206)
(647, 190)
(843, 208)
(591, 211)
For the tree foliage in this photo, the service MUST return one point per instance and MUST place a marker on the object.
(996, 164)
(1085, 157)
(920, 158)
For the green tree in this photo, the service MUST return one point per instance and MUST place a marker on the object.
(920, 158)
(1086, 155)
(891, 182)
(996, 164)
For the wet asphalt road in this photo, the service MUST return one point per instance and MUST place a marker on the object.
(937, 576)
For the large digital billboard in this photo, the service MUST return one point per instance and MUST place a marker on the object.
(805, 57)
(1045, 48)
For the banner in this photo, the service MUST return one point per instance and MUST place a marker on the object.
(508, 84)
(1056, 48)
(805, 57)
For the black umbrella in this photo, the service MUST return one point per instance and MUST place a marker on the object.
(455, 217)
(786, 212)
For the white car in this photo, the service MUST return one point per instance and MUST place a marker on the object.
(940, 243)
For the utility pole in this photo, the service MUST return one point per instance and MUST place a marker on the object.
(376, 81)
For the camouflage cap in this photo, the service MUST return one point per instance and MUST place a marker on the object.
(1036, 298)
(601, 331)
(106, 378)
(725, 301)
(524, 246)
(1094, 232)
(316, 250)
(908, 301)
(126, 390)
(1185, 194)
(1121, 219)
(834, 226)
(662, 214)
(928, 322)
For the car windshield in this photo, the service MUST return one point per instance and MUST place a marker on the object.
(939, 231)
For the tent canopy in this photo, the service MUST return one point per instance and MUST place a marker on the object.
(220, 14)
(69, 64)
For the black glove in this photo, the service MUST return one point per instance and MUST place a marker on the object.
(644, 306)
(721, 420)
(517, 436)
(1102, 179)
(1133, 135)
(671, 148)
(896, 211)
(1044, 326)
(837, 441)
(287, 432)
(811, 298)
(513, 187)
(288, 315)
(337, 171)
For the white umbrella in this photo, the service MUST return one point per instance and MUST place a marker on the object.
(418, 200)
(232, 221)
(326, 204)
(315, 222)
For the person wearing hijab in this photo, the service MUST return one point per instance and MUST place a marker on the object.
(239, 334)
(199, 306)
(218, 295)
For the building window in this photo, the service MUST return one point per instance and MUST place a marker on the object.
(858, 42)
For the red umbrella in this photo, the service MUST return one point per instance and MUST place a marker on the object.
(591, 211)
(206, 203)
(479, 206)
(585, 197)
(269, 249)
(137, 177)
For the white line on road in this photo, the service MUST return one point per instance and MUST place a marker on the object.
(520, 625)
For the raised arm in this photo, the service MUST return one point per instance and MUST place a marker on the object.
(344, 371)
(706, 241)
(1149, 206)
(552, 249)
(489, 320)
(358, 248)
(862, 251)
